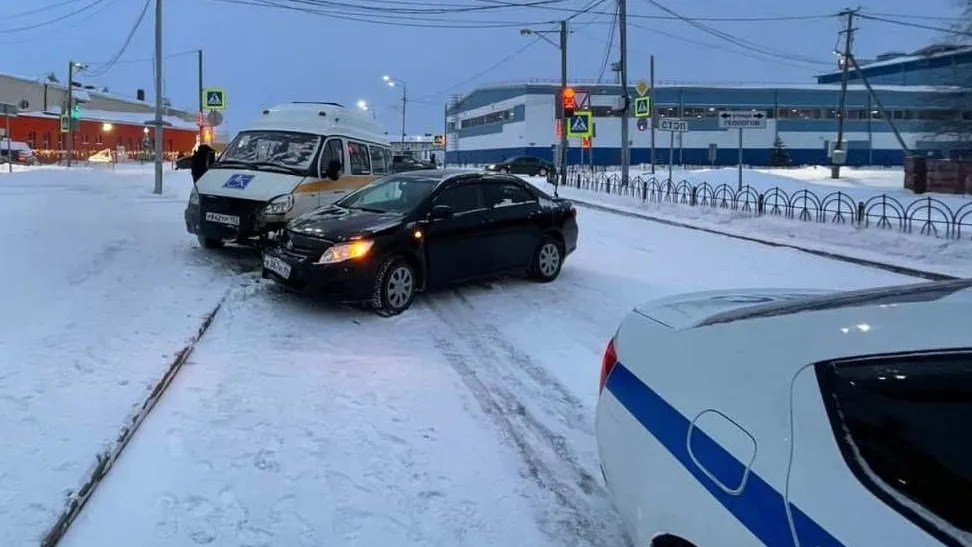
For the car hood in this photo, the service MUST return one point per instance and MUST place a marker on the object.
(689, 310)
(338, 224)
(246, 184)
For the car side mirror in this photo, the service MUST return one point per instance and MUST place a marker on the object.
(333, 170)
(440, 212)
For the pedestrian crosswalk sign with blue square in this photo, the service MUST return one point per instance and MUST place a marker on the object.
(642, 107)
(214, 99)
(581, 124)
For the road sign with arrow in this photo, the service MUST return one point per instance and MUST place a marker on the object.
(742, 119)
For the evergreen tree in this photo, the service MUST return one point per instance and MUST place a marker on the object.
(779, 157)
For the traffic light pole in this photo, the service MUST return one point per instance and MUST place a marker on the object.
(626, 107)
(565, 121)
(69, 136)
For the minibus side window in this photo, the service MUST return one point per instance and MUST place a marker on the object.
(377, 160)
(333, 151)
(359, 158)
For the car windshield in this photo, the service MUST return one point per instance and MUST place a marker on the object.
(287, 149)
(394, 194)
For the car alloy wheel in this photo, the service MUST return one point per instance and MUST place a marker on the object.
(395, 287)
(399, 287)
(547, 260)
(542, 172)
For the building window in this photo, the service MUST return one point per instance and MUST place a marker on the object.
(798, 113)
(99, 140)
(493, 117)
(84, 139)
(47, 141)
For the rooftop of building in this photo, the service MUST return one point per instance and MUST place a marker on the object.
(87, 90)
(129, 118)
(904, 59)
(551, 85)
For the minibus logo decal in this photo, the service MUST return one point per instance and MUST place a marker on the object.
(240, 182)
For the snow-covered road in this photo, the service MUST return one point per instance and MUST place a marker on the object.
(466, 421)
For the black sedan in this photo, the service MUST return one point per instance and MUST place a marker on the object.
(421, 230)
(523, 165)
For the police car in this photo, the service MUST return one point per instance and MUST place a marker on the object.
(792, 418)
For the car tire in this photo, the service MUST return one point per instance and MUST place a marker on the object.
(210, 243)
(542, 172)
(395, 286)
(547, 260)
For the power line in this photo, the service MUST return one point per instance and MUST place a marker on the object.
(915, 25)
(483, 72)
(56, 19)
(743, 53)
(610, 47)
(48, 7)
(128, 41)
(746, 44)
(395, 21)
(925, 17)
(150, 59)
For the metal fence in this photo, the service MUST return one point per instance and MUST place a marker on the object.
(926, 215)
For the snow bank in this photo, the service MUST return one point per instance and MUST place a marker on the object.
(909, 250)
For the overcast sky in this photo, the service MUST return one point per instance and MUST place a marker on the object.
(268, 55)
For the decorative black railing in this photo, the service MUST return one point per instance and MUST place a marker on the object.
(926, 215)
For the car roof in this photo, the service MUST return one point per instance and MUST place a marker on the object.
(881, 296)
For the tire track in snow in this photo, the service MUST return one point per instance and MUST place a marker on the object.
(582, 515)
(76, 500)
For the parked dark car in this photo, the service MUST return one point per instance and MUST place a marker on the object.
(401, 164)
(523, 165)
(423, 230)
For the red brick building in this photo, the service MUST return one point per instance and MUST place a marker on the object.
(98, 131)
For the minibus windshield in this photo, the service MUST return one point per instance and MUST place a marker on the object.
(286, 149)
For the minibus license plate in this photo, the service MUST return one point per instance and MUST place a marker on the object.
(223, 219)
(277, 266)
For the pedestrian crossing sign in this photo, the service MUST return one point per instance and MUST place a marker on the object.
(642, 107)
(214, 98)
(581, 124)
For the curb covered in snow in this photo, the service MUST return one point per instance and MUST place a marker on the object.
(902, 270)
(105, 459)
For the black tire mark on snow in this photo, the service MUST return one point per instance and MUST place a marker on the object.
(572, 407)
(587, 521)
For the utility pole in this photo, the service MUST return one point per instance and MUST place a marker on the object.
(623, 44)
(653, 119)
(404, 102)
(202, 106)
(848, 33)
(563, 86)
(69, 136)
(158, 97)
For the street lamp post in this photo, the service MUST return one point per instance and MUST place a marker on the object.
(392, 82)
(563, 85)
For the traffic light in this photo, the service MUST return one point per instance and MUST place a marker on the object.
(76, 111)
(570, 101)
(207, 135)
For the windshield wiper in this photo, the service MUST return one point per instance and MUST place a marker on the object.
(257, 165)
(367, 209)
(273, 165)
(230, 164)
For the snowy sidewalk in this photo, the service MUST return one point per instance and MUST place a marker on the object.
(100, 287)
(920, 252)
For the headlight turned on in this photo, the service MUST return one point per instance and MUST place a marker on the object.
(280, 205)
(346, 251)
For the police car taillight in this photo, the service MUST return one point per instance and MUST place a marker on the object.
(607, 363)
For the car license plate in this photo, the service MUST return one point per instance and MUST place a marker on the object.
(232, 220)
(277, 266)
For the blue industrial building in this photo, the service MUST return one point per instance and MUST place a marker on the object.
(920, 91)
